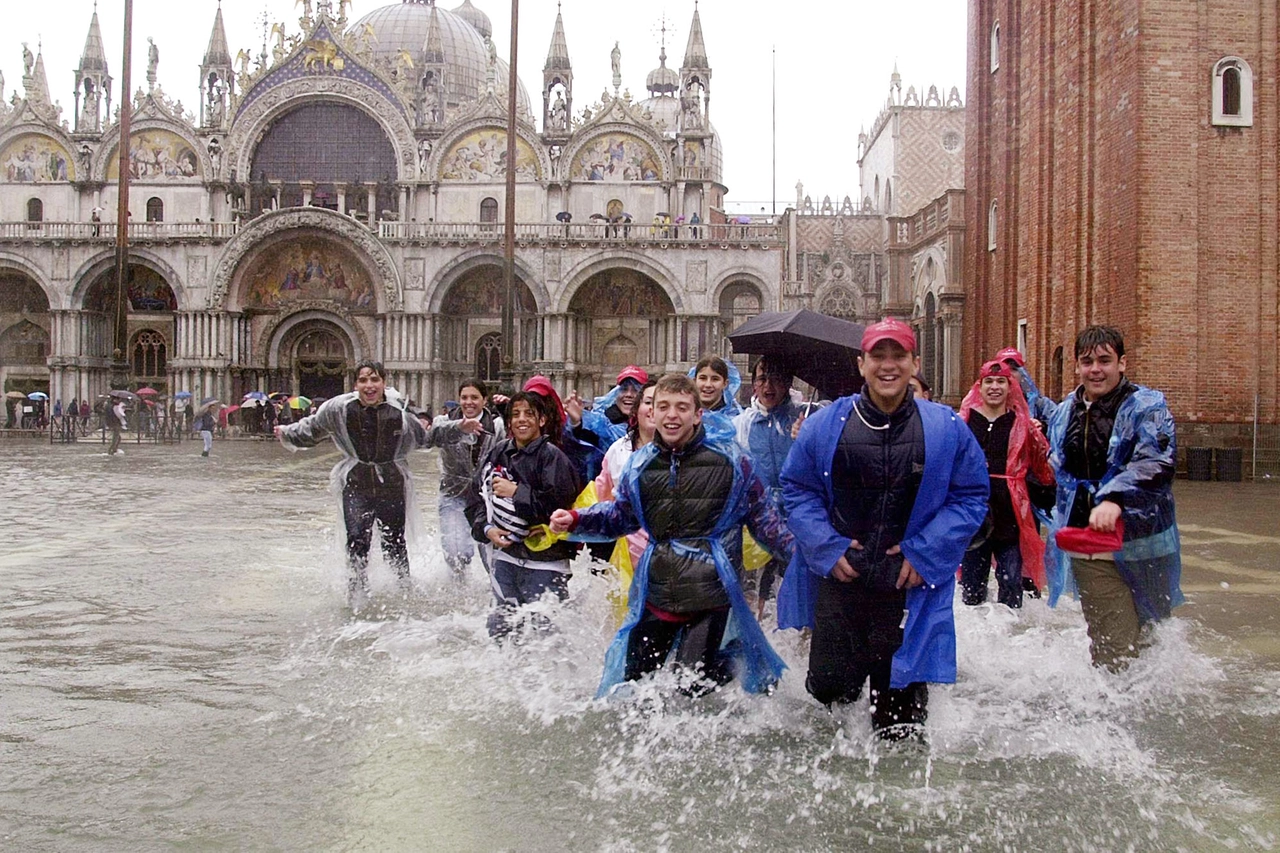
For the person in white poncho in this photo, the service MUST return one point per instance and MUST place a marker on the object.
(375, 436)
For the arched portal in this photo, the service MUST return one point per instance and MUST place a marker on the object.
(622, 316)
(151, 308)
(470, 320)
(317, 355)
(739, 302)
(24, 339)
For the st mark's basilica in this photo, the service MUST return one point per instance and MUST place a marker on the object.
(338, 197)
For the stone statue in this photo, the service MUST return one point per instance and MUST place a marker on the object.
(424, 155)
(615, 60)
(215, 156)
(342, 9)
(243, 58)
(28, 61)
(558, 117)
(153, 62)
(306, 8)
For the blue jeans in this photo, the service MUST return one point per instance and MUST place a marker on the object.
(455, 532)
(975, 569)
(514, 586)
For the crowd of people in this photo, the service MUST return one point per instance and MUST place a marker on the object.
(870, 508)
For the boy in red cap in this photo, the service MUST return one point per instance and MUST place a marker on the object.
(1000, 421)
(883, 492)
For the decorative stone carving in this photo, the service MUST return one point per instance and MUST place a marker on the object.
(695, 274)
(251, 237)
(250, 124)
(415, 274)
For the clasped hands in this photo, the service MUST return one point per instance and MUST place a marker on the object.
(907, 577)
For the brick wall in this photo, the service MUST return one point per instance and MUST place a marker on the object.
(1118, 201)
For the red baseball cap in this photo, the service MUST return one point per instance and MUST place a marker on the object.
(635, 374)
(889, 329)
(995, 368)
(1011, 354)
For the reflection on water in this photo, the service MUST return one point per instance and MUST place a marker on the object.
(176, 669)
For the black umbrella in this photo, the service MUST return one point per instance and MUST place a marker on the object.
(599, 217)
(821, 350)
(122, 394)
(564, 216)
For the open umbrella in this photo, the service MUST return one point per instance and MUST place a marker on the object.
(598, 217)
(564, 216)
(37, 395)
(182, 395)
(16, 395)
(121, 394)
(146, 392)
(252, 403)
(206, 404)
(299, 402)
(255, 395)
(819, 349)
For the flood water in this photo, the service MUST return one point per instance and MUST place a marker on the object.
(178, 671)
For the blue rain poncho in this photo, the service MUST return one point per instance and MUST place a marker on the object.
(730, 409)
(950, 506)
(755, 663)
(1140, 466)
(1042, 408)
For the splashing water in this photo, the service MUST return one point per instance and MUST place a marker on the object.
(176, 667)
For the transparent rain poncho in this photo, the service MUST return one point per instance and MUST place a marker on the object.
(330, 421)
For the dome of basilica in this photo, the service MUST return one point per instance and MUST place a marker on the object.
(665, 110)
(404, 27)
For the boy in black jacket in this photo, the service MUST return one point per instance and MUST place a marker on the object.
(524, 479)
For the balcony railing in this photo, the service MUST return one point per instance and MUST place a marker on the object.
(429, 232)
(582, 232)
(106, 231)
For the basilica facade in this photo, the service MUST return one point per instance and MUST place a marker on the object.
(337, 198)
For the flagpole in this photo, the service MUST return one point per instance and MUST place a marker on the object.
(119, 360)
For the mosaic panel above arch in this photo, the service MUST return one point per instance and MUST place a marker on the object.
(156, 155)
(311, 269)
(621, 293)
(147, 290)
(481, 155)
(478, 292)
(616, 158)
(34, 158)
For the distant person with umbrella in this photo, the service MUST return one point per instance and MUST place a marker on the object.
(206, 422)
(115, 418)
(765, 430)
(372, 479)
(884, 492)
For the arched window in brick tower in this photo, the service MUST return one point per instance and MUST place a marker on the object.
(995, 47)
(1232, 92)
(993, 221)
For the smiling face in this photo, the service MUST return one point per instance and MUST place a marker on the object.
(995, 392)
(628, 394)
(771, 387)
(678, 417)
(1099, 371)
(645, 419)
(525, 423)
(371, 387)
(887, 369)
(711, 387)
(470, 401)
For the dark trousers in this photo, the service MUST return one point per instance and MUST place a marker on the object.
(360, 510)
(975, 569)
(115, 441)
(700, 637)
(514, 586)
(856, 632)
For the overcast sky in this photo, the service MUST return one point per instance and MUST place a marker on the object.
(833, 63)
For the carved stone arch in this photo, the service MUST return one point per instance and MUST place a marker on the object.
(524, 132)
(90, 271)
(108, 151)
(13, 263)
(738, 276)
(580, 274)
(253, 121)
(250, 239)
(838, 299)
(921, 284)
(268, 348)
(449, 274)
(656, 141)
